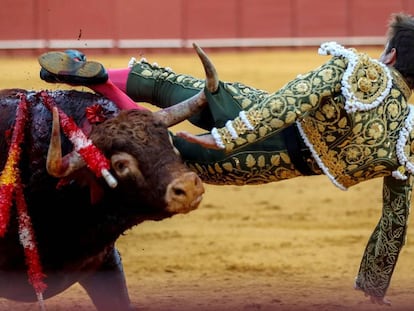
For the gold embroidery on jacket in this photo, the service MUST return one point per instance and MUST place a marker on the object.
(368, 79)
(247, 168)
(357, 146)
(293, 101)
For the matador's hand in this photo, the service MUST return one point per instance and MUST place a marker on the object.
(206, 141)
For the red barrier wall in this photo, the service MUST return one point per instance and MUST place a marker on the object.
(115, 25)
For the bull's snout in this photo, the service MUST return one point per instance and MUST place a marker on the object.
(184, 193)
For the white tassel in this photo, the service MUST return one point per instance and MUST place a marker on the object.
(217, 138)
(246, 121)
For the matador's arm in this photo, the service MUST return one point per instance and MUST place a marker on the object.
(279, 109)
(384, 246)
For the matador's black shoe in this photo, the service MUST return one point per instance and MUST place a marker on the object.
(71, 67)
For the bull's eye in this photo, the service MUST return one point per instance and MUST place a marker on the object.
(124, 164)
(120, 166)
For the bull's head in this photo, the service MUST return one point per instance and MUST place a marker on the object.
(143, 160)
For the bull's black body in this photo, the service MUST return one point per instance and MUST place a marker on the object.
(75, 238)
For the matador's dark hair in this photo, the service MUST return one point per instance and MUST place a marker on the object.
(401, 37)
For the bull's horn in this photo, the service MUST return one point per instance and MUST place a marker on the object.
(183, 110)
(177, 113)
(55, 164)
(212, 80)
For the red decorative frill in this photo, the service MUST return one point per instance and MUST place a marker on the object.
(95, 114)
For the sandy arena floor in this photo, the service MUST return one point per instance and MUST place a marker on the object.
(293, 245)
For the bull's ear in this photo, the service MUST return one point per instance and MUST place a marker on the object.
(124, 164)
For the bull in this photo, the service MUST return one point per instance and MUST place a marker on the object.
(76, 215)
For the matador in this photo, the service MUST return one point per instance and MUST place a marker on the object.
(348, 119)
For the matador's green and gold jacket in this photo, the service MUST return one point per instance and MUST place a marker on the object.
(353, 116)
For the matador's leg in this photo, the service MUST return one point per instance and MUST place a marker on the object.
(163, 87)
(385, 244)
(279, 157)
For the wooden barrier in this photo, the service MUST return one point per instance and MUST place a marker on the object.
(158, 24)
